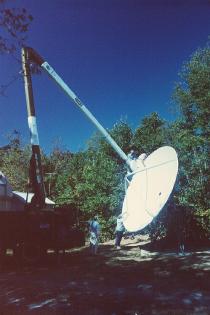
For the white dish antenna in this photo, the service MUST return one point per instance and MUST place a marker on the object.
(149, 188)
(153, 178)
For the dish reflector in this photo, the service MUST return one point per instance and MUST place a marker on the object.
(150, 188)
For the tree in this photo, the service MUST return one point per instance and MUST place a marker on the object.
(14, 162)
(122, 135)
(93, 181)
(192, 93)
(191, 135)
(68, 171)
(54, 166)
(150, 134)
(14, 23)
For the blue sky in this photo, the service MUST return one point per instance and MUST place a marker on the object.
(121, 57)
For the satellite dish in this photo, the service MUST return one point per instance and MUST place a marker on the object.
(150, 187)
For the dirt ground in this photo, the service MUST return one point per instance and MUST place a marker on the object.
(130, 281)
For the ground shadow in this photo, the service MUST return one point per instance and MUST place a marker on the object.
(133, 280)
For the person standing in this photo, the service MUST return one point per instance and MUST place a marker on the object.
(119, 231)
(135, 161)
(94, 229)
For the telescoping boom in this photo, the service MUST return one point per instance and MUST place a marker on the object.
(31, 55)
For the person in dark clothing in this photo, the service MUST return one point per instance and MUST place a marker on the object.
(94, 229)
(119, 231)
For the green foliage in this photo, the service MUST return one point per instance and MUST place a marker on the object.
(14, 162)
(191, 135)
(150, 134)
(68, 176)
(188, 212)
(54, 168)
(91, 182)
(122, 135)
(192, 94)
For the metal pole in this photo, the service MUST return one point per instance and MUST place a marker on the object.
(36, 175)
(83, 108)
